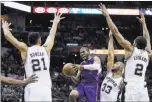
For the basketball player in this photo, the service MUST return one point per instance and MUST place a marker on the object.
(112, 84)
(9, 80)
(137, 59)
(87, 77)
(37, 61)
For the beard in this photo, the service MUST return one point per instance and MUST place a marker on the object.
(114, 70)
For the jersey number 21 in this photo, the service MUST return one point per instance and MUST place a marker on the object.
(36, 64)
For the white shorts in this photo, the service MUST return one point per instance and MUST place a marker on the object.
(107, 99)
(39, 93)
(136, 93)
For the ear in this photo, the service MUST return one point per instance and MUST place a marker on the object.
(135, 44)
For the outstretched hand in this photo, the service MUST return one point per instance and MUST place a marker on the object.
(33, 78)
(57, 17)
(77, 66)
(142, 18)
(6, 25)
(104, 9)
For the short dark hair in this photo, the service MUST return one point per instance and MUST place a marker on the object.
(141, 42)
(87, 49)
(33, 38)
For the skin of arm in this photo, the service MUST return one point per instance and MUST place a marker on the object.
(145, 31)
(10, 80)
(110, 59)
(8, 35)
(123, 42)
(50, 39)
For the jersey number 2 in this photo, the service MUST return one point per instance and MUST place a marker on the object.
(36, 64)
(138, 70)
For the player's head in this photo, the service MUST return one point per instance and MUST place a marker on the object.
(140, 42)
(34, 38)
(84, 53)
(118, 67)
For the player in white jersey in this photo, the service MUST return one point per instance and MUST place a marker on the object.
(37, 61)
(111, 86)
(137, 59)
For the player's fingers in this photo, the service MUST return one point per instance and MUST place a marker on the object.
(103, 6)
(9, 24)
(100, 6)
(142, 15)
(5, 22)
(138, 18)
(54, 14)
(60, 14)
(72, 65)
(75, 69)
(33, 75)
(34, 80)
(10, 29)
(62, 17)
(51, 20)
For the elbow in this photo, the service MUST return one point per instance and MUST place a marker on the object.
(114, 30)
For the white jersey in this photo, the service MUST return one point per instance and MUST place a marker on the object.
(38, 62)
(110, 88)
(136, 66)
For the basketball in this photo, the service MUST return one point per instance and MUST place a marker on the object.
(68, 70)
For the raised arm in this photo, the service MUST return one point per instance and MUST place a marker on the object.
(8, 35)
(110, 59)
(145, 31)
(9, 80)
(123, 42)
(50, 39)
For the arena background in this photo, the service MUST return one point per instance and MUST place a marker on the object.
(81, 27)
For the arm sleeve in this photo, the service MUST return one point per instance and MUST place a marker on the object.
(92, 67)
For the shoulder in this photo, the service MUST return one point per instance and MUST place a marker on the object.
(46, 48)
(128, 53)
(23, 47)
(96, 58)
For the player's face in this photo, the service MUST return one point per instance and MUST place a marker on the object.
(116, 67)
(84, 54)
